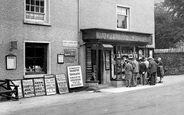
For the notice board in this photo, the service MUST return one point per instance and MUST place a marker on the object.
(28, 88)
(50, 85)
(62, 83)
(39, 86)
(75, 76)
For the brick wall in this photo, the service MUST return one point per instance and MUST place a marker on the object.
(173, 61)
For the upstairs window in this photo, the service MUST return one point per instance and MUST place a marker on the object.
(122, 18)
(37, 11)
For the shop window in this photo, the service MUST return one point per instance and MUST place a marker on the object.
(36, 58)
(37, 11)
(122, 18)
(121, 54)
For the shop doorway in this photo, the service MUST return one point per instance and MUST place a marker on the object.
(98, 64)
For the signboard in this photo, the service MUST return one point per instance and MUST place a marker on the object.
(28, 88)
(50, 85)
(61, 83)
(75, 76)
(11, 62)
(18, 82)
(39, 87)
(67, 43)
(69, 52)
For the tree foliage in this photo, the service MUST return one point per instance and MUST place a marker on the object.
(169, 23)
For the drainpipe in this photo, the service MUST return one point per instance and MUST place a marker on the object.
(78, 30)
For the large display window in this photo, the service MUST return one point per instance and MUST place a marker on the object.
(121, 53)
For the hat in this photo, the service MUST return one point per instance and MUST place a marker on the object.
(150, 58)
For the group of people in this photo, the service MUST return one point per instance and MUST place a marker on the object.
(144, 69)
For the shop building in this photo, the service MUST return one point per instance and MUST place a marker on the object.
(112, 31)
(95, 34)
(36, 33)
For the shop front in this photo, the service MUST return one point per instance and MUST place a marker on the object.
(106, 51)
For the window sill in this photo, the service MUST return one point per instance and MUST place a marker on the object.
(121, 29)
(36, 23)
(34, 76)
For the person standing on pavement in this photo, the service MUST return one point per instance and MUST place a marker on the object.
(147, 65)
(128, 73)
(135, 65)
(153, 70)
(160, 71)
(142, 71)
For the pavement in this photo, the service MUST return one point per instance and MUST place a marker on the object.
(7, 107)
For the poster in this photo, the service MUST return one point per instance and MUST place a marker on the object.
(28, 88)
(75, 76)
(39, 87)
(18, 82)
(62, 83)
(107, 60)
(50, 85)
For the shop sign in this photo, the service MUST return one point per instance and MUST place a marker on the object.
(115, 36)
(28, 88)
(61, 83)
(75, 76)
(67, 43)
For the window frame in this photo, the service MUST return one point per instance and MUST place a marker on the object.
(48, 59)
(46, 20)
(128, 17)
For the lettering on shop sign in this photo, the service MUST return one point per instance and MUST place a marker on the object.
(39, 86)
(75, 76)
(61, 83)
(50, 85)
(28, 88)
(114, 36)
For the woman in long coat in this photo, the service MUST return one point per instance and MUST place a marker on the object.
(128, 73)
(160, 71)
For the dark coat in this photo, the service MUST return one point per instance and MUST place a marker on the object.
(152, 66)
(160, 70)
(142, 68)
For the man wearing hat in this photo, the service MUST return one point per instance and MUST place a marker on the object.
(153, 70)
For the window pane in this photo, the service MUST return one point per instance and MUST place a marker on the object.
(32, 2)
(27, 8)
(27, 1)
(42, 2)
(32, 8)
(119, 10)
(42, 9)
(37, 2)
(122, 11)
(121, 21)
(37, 9)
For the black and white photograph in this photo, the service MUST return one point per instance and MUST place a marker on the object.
(91, 57)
